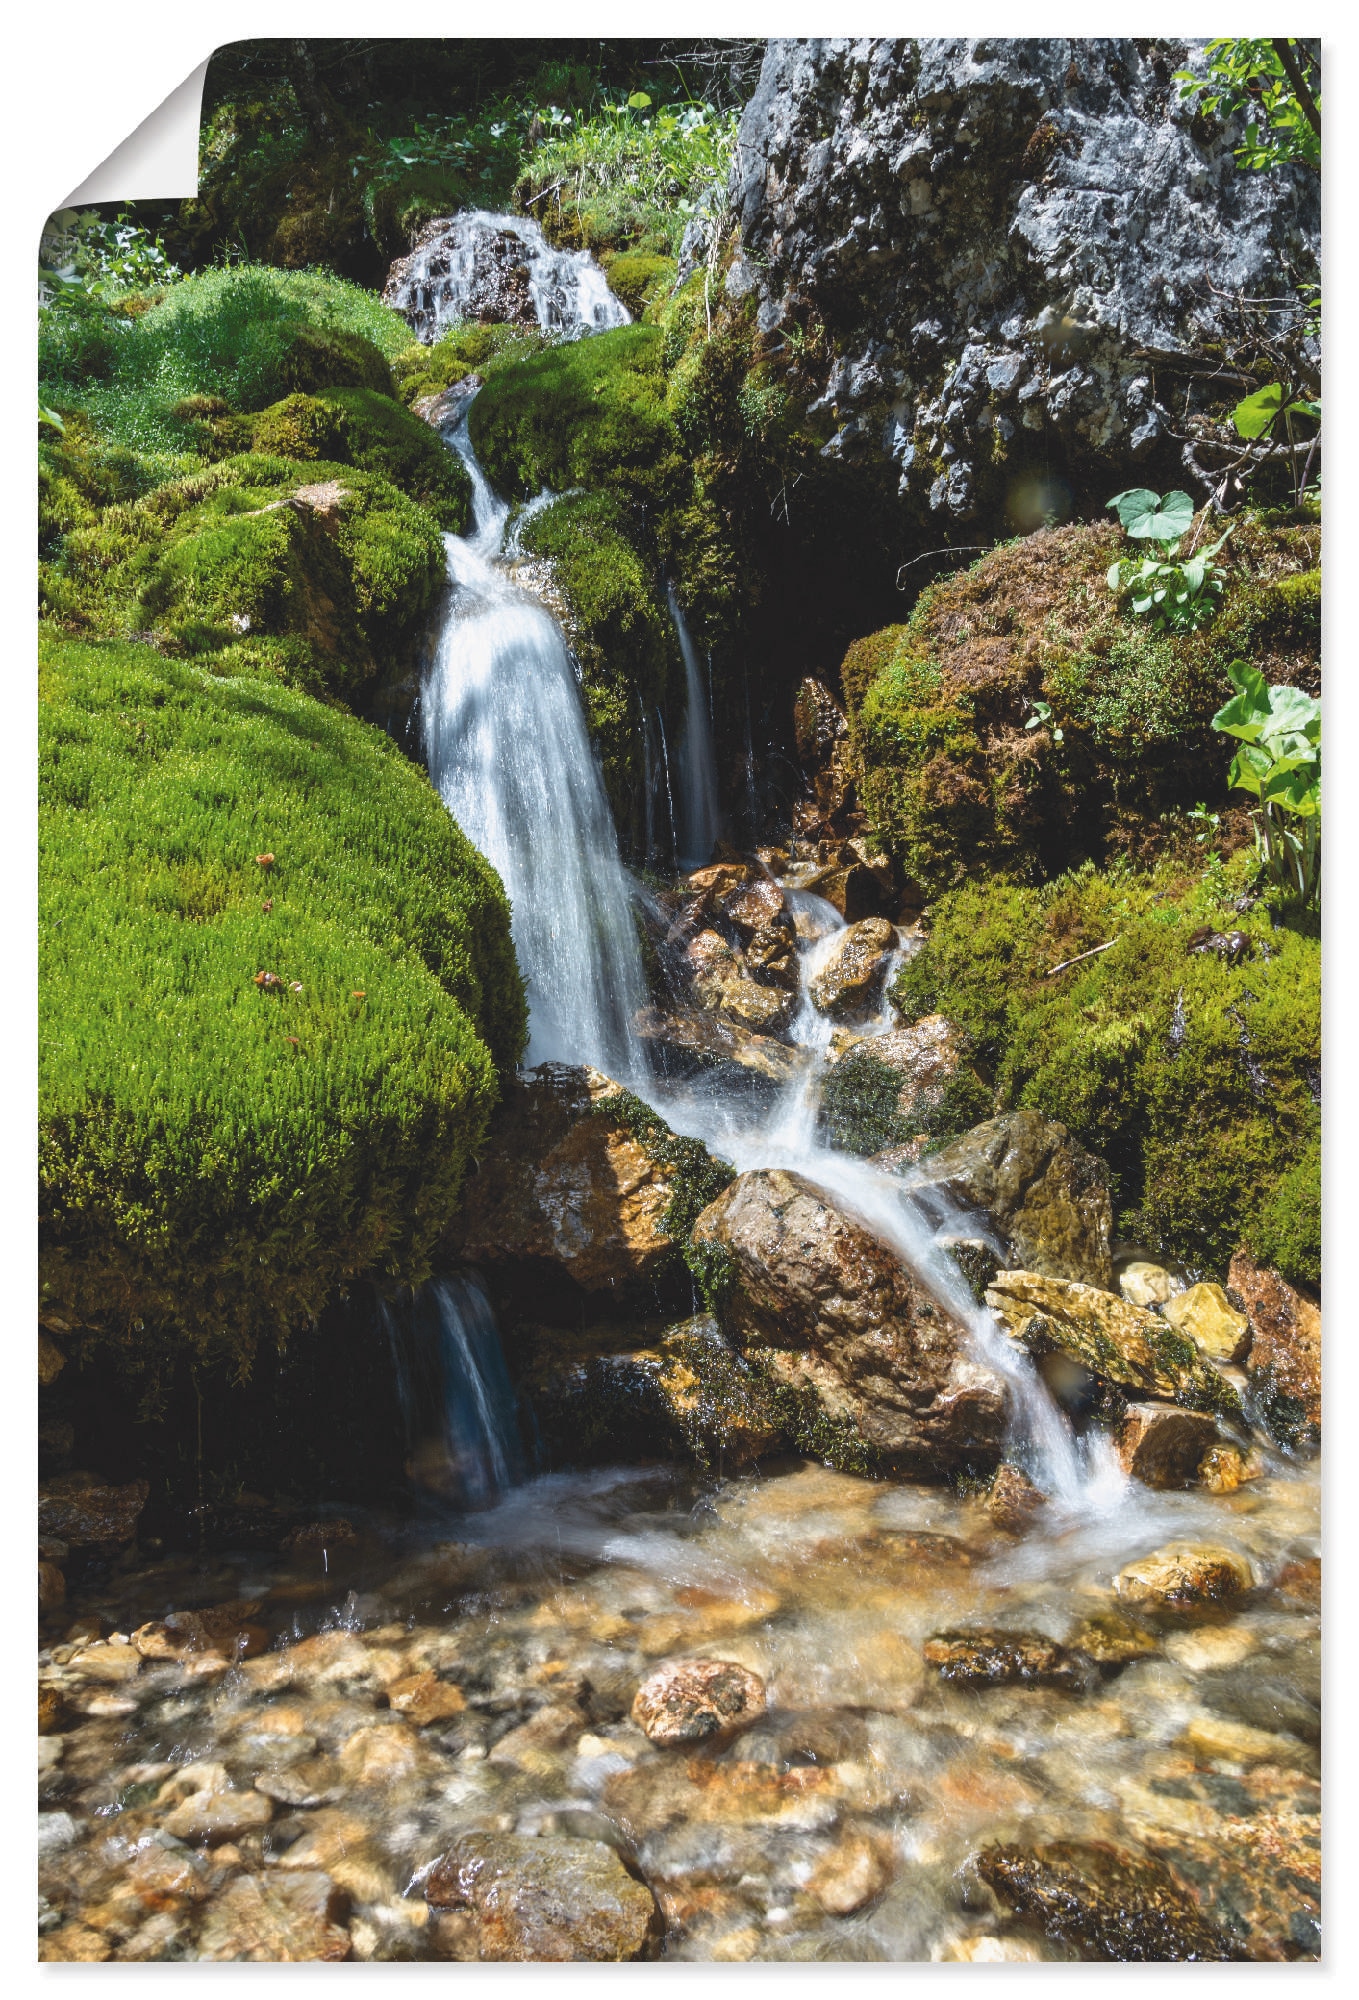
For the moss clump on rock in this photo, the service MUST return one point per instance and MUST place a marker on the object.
(277, 991)
(951, 777)
(1186, 1055)
(861, 1105)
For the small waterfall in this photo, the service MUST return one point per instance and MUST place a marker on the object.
(698, 815)
(479, 266)
(455, 1392)
(508, 750)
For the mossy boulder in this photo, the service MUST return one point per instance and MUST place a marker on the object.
(638, 277)
(1186, 1055)
(278, 994)
(361, 427)
(952, 778)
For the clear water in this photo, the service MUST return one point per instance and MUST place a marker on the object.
(698, 807)
(569, 291)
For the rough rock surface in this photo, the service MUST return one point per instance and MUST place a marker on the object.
(851, 979)
(546, 1899)
(925, 1056)
(1006, 1659)
(83, 1510)
(1047, 1197)
(1162, 1445)
(691, 1701)
(1285, 1356)
(1003, 239)
(1117, 1342)
(1013, 1500)
(1111, 1902)
(707, 1042)
(576, 1182)
(1185, 1575)
(276, 1916)
(1215, 1327)
(832, 1313)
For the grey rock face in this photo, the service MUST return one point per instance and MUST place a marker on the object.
(1012, 245)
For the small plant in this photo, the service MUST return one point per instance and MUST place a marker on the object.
(1178, 595)
(1257, 418)
(1279, 763)
(1042, 719)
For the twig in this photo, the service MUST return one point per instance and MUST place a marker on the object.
(960, 549)
(1093, 952)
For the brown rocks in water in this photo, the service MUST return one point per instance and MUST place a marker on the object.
(771, 955)
(214, 1815)
(108, 1660)
(1144, 1283)
(1112, 1639)
(754, 906)
(1047, 1197)
(576, 1182)
(1109, 1902)
(1285, 1355)
(854, 1871)
(850, 982)
(819, 723)
(925, 1056)
(1007, 1659)
(424, 1698)
(224, 1629)
(694, 1701)
(548, 1899)
(719, 983)
(832, 1314)
(1115, 1341)
(51, 1709)
(51, 1587)
(1204, 1316)
(1185, 1576)
(712, 1041)
(312, 1782)
(977, 1262)
(88, 1513)
(1162, 1445)
(1013, 1500)
(1259, 1877)
(278, 1916)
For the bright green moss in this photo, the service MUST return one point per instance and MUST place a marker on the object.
(381, 436)
(1195, 1078)
(638, 278)
(464, 350)
(218, 1156)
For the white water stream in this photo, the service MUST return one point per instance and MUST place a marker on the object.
(441, 283)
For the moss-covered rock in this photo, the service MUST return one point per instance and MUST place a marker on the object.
(952, 778)
(1186, 1055)
(360, 427)
(277, 991)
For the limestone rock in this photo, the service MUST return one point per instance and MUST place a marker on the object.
(264, 1918)
(851, 979)
(424, 1698)
(687, 1040)
(1118, 1342)
(576, 1183)
(754, 906)
(1110, 1902)
(88, 1513)
(1185, 1575)
(212, 1815)
(1163, 1445)
(691, 1701)
(1216, 1329)
(1143, 1283)
(1047, 1197)
(1285, 1355)
(925, 1056)
(833, 1314)
(547, 1899)
(930, 201)
(1013, 1500)
(1006, 1659)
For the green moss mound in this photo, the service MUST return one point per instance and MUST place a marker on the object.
(217, 1154)
(464, 350)
(1187, 1054)
(638, 278)
(316, 572)
(360, 427)
(952, 778)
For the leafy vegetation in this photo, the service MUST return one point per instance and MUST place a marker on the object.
(277, 986)
(1177, 594)
(634, 172)
(1279, 763)
(1186, 1054)
(1276, 85)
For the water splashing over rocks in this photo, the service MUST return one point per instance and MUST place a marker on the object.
(480, 266)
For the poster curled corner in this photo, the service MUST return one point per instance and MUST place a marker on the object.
(159, 160)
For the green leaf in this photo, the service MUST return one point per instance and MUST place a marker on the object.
(1147, 517)
(639, 101)
(1256, 414)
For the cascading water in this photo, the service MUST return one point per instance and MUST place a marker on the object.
(481, 266)
(455, 1392)
(508, 749)
(698, 811)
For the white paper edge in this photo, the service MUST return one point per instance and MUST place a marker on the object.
(157, 162)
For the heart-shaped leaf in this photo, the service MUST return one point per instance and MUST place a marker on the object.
(1147, 517)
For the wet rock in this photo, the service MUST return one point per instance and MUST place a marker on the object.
(1111, 1639)
(51, 1587)
(1012, 1500)
(771, 955)
(225, 1630)
(1115, 1341)
(51, 1708)
(289, 1916)
(977, 1262)
(988, 1950)
(925, 1056)
(1211, 1647)
(876, 1366)
(424, 1698)
(51, 1360)
(1226, 1466)
(721, 877)
(754, 907)
(1045, 1195)
(855, 1871)
(1285, 1355)
(107, 1660)
(548, 1899)
(1221, 1740)
(74, 1943)
(83, 1510)
(715, 1044)
(1162, 1445)
(212, 1815)
(692, 1701)
(1204, 1316)
(1258, 1877)
(577, 1182)
(1184, 1576)
(1143, 1283)
(1007, 1659)
(496, 280)
(1108, 1901)
(822, 735)
(312, 1782)
(549, 1728)
(850, 981)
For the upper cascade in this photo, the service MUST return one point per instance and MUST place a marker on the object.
(481, 266)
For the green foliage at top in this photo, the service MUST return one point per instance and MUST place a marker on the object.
(1176, 595)
(463, 350)
(634, 172)
(1279, 763)
(1187, 1055)
(277, 985)
(586, 413)
(81, 250)
(1276, 85)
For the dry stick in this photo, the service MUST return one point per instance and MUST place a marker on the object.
(1292, 70)
(1093, 952)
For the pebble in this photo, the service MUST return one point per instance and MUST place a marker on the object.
(276, 1916)
(1211, 1646)
(1184, 1575)
(542, 1899)
(213, 1816)
(691, 1700)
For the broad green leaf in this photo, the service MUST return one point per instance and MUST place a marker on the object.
(639, 101)
(1255, 414)
(1147, 517)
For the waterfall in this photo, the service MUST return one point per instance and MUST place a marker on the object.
(507, 748)
(455, 1392)
(698, 817)
(483, 266)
